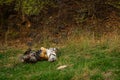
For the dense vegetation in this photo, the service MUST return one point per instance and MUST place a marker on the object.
(31, 18)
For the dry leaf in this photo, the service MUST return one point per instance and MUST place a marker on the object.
(62, 67)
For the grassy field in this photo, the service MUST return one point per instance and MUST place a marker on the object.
(86, 58)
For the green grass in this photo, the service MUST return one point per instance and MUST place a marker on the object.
(85, 60)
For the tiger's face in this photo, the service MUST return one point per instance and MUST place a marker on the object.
(51, 53)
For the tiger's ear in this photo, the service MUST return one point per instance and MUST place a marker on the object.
(56, 50)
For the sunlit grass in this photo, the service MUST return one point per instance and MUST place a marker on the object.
(86, 57)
